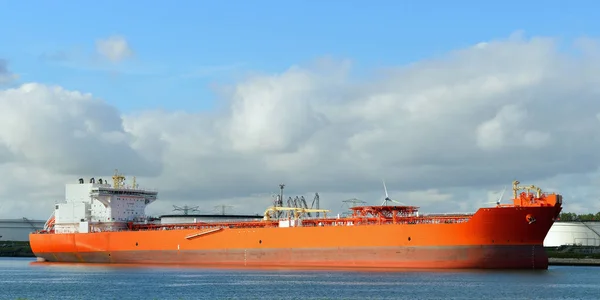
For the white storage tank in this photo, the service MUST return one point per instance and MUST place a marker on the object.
(573, 233)
(18, 229)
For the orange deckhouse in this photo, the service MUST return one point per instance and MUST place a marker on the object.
(104, 223)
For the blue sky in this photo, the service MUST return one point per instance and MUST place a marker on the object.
(183, 47)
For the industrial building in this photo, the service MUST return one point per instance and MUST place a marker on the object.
(18, 229)
(573, 233)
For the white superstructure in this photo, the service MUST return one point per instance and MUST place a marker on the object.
(98, 206)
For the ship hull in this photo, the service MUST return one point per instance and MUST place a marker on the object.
(492, 238)
(457, 257)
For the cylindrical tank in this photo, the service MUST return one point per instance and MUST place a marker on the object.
(573, 233)
(18, 229)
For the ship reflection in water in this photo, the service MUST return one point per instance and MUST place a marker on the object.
(24, 278)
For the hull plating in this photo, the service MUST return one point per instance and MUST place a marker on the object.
(479, 257)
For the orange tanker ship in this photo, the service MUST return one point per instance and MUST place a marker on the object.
(103, 223)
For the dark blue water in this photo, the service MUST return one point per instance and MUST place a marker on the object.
(20, 279)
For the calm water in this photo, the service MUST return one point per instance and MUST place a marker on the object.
(20, 278)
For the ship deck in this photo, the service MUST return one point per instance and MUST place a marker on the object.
(311, 222)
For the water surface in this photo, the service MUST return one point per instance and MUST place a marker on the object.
(25, 279)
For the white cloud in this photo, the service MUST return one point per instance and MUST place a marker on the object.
(114, 48)
(503, 130)
(275, 114)
(64, 131)
(447, 135)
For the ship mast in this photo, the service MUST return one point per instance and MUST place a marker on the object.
(280, 200)
(118, 180)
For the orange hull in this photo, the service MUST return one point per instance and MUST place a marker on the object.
(500, 237)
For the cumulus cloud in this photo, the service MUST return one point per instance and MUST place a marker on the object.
(275, 113)
(445, 134)
(114, 48)
(67, 132)
(503, 131)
